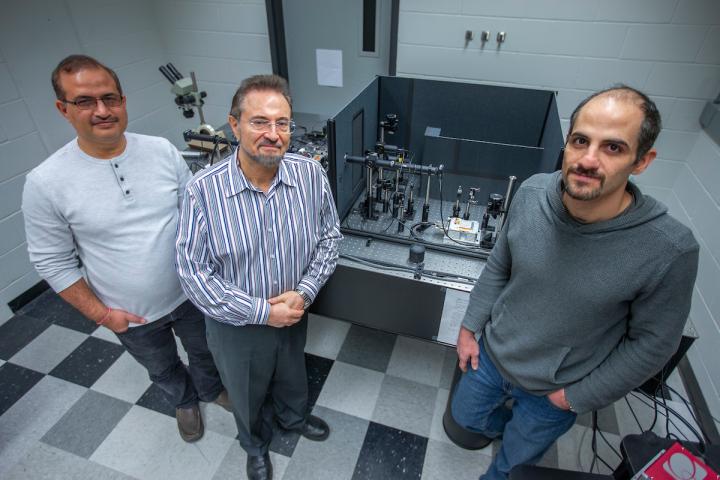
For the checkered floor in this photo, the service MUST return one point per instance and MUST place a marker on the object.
(74, 404)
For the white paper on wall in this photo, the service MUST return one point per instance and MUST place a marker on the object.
(329, 67)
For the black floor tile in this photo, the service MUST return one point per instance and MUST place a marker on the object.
(88, 361)
(28, 296)
(15, 382)
(49, 306)
(367, 348)
(283, 441)
(17, 332)
(318, 369)
(390, 453)
(156, 399)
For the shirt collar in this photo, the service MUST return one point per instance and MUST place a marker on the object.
(239, 182)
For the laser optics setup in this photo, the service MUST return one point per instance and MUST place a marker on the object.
(416, 228)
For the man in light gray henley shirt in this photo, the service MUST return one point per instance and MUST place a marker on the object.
(100, 219)
(585, 294)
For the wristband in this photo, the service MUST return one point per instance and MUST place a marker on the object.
(105, 318)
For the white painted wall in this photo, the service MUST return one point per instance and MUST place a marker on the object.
(695, 200)
(667, 48)
(133, 37)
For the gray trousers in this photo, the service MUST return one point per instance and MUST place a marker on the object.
(263, 370)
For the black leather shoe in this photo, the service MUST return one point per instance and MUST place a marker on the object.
(259, 467)
(315, 429)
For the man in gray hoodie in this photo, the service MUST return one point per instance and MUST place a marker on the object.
(586, 292)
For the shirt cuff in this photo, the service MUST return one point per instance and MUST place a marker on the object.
(474, 324)
(260, 312)
(310, 287)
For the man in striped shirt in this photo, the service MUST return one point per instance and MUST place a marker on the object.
(257, 238)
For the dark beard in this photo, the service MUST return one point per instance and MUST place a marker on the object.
(583, 195)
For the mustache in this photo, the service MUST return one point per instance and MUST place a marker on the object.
(95, 121)
(586, 172)
(271, 144)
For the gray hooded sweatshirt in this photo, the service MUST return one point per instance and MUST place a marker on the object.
(594, 308)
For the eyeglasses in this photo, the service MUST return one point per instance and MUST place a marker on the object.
(283, 126)
(110, 100)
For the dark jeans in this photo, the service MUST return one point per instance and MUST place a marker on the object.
(153, 346)
(263, 369)
(527, 431)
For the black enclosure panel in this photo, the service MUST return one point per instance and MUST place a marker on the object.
(480, 133)
(359, 117)
(482, 159)
(396, 97)
(483, 165)
(489, 113)
(479, 112)
(376, 300)
(552, 140)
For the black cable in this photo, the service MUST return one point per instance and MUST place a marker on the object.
(613, 449)
(604, 463)
(596, 427)
(655, 414)
(640, 427)
(392, 220)
(593, 446)
(431, 273)
(687, 404)
(701, 438)
(214, 150)
(650, 406)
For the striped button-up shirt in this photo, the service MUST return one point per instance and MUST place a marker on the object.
(237, 246)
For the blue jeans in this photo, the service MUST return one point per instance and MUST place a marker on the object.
(527, 431)
(153, 346)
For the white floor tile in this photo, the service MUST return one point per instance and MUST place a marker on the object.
(145, 444)
(575, 449)
(106, 334)
(126, 379)
(32, 416)
(218, 419)
(352, 390)
(44, 462)
(443, 461)
(49, 348)
(417, 360)
(233, 465)
(405, 405)
(333, 459)
(325, 336)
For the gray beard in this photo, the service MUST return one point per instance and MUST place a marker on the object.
(267, 161)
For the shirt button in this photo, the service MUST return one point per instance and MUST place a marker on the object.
(127, 192)
(116, 165)
(122, 179)
(272, 257)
